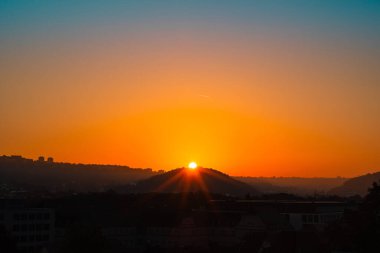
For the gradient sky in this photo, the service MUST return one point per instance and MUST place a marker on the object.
(261, 88)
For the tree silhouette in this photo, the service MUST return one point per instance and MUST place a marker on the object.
(372, 200)
(359, 231)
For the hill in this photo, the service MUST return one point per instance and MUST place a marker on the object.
(357, 185)
(199, 180)
(27, 174)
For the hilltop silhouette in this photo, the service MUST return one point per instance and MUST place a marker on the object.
(357, 185)
(201, 179)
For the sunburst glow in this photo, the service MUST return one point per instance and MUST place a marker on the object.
(192, 165)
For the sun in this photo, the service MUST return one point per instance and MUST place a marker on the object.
(192, 165)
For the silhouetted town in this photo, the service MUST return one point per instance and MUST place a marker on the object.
(175, 211)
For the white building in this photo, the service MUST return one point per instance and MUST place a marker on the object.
(318, 214)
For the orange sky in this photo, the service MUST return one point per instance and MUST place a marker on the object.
(271, 103)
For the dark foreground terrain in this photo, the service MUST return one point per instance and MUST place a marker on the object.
(190, 222)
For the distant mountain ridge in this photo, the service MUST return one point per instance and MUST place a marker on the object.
(17, 172)
(201, 179)
(294, 185)
(357, 185)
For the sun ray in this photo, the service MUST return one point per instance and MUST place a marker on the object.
(203, 186)
(169, 182)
